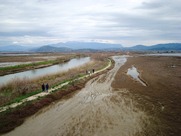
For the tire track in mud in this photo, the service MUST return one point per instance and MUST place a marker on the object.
(97, 110)
(105, 112)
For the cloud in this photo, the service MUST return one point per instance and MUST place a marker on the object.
(130, 22)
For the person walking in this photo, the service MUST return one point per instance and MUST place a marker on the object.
(89, 73)
(47, 86)
(92, 70)
(43, 87)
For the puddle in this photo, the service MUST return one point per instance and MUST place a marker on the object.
(135, 75)
(164, 54)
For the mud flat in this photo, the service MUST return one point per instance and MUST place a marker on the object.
(115, 104)
(161, 97)
(98, 109)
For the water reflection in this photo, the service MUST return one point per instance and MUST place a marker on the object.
(44, 71)
(33, 71)
(164, 54)
(135, 75)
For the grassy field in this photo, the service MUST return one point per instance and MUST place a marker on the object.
(29, 65)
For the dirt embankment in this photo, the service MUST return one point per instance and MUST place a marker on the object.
(96, 110)
(114, 104)
(161, 98)
(15, 117)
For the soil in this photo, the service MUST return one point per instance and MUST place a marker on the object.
(115, 104)
(161, 97)
(96, 110)
(16, 117)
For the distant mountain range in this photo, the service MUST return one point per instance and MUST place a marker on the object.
(87, 45)
(48, 48)
(90, 47)
(157, 47)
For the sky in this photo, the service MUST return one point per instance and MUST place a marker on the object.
(126, 22)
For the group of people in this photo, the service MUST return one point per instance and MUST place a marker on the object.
(89, 72)
(45, 87)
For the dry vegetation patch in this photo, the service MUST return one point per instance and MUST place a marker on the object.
(15, 117)
(20, 87)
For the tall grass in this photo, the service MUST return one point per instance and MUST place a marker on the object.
(48, 62)
(22, 88)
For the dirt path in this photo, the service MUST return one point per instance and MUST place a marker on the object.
(42, 94)
(96, 110)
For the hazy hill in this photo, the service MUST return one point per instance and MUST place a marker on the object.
(137, 48)
(90, 47)
(169, 46)
(157, 47)
(87, 45)
(48, 48)
(79, 47)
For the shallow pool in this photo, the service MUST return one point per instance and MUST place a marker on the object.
(135, 75)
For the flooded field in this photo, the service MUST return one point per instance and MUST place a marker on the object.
(44, 71)
(34, 57)
(17, 54)
(164, 54)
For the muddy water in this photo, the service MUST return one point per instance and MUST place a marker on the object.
(97, 110)
(135, 75)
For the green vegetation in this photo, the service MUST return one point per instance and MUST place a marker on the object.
(19, 98)
(19, 89)
(30, 65)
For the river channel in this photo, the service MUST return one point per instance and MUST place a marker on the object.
(30, 74)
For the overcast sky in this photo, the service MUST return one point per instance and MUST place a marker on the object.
(128, 22)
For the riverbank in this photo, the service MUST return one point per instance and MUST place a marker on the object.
(89, 112)
(14, 117)
(36, 62)
(160, 99)
(25, 87)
